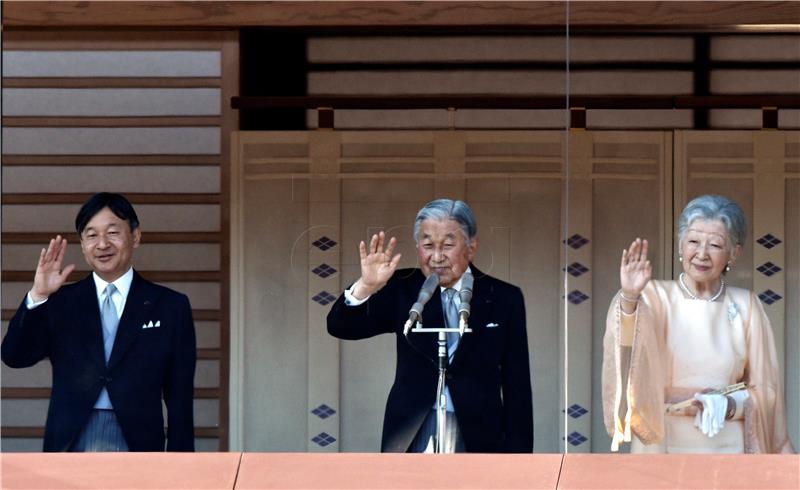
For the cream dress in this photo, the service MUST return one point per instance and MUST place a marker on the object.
(673, 347)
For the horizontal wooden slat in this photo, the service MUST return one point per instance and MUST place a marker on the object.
(155, 276)
(134, 198)
(37, 432)
(209, 354)
(197, 315)
(110, 82)
(147, 237)
(479, 101)
(75, 39)
(110, 122)
(44, 393)
(104, 160)
(620, 15)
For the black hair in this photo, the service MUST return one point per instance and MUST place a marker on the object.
(117, 203)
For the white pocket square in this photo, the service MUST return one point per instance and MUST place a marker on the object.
(492, 325)
(150, 324)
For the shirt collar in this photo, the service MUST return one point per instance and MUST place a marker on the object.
(457, 285)
(122, 283)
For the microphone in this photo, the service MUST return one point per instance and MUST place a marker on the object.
(425, 293)
(465, 295)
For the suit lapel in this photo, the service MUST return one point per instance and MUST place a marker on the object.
(138, 307)
(92, 329)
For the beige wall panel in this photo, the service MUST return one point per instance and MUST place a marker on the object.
(645, 48)
(630, 83)
(153, 179)
(518, 230)
(206, 373)
(736, 118)
(111, 63)
(789, 119)
(148, 257)
(444, 48)
(792, 271)
(13, 293)
(19, 445)
(111, 141)
(755, 81)
(510, 119)
(206, 412)
(153, 217)
(202, 295)
(275, 298)
(400, 191)
(460, 82)
(614, 119)
(23, 412)
(210, 445)
(623, 210)
(37, 376)
(367, 366)
(111, 102)
(208, 334)
(778, 47)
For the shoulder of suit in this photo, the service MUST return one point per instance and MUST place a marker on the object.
(498, 285)
(159, 289)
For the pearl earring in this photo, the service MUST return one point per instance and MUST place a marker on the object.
(728, 267)
(680, 258)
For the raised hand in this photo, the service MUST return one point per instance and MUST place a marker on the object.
(377, 265)
(49, 274)
(635, 270)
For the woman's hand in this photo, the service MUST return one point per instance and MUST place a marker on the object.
(635, 270)
(377, 265)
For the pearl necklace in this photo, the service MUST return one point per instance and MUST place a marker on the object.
(692, 295)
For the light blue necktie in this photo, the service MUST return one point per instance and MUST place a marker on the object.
(110, 320)
(451, 320)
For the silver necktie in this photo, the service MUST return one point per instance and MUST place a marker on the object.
(451, 320)
(110, 320)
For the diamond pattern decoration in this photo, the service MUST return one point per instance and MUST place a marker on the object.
(575, 411)
(769, 296)
(324, 298)
(323, 411)
(576, 297)
(576, 438)
(577, 269)
(576, 241)
(768, 240)
(323, 439)
(324, 270)
(324, 243)
(768, 269)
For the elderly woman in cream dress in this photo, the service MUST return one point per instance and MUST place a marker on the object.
(668, 342)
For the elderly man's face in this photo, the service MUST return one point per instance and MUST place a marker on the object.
(443, 249)
(107, 243)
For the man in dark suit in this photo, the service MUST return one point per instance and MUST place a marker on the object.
(488, 384)
(116, 342)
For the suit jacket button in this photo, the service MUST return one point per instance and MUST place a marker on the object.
(448, 376)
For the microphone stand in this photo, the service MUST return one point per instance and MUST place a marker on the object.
(441, 399)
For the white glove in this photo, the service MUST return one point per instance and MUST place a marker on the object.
(712, 418)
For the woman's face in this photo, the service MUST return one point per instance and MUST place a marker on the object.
(706, 250)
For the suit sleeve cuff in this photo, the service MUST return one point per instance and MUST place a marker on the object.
(351, 300)
(31, 304)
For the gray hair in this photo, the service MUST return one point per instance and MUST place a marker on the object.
(712, 207)
(442, 209)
